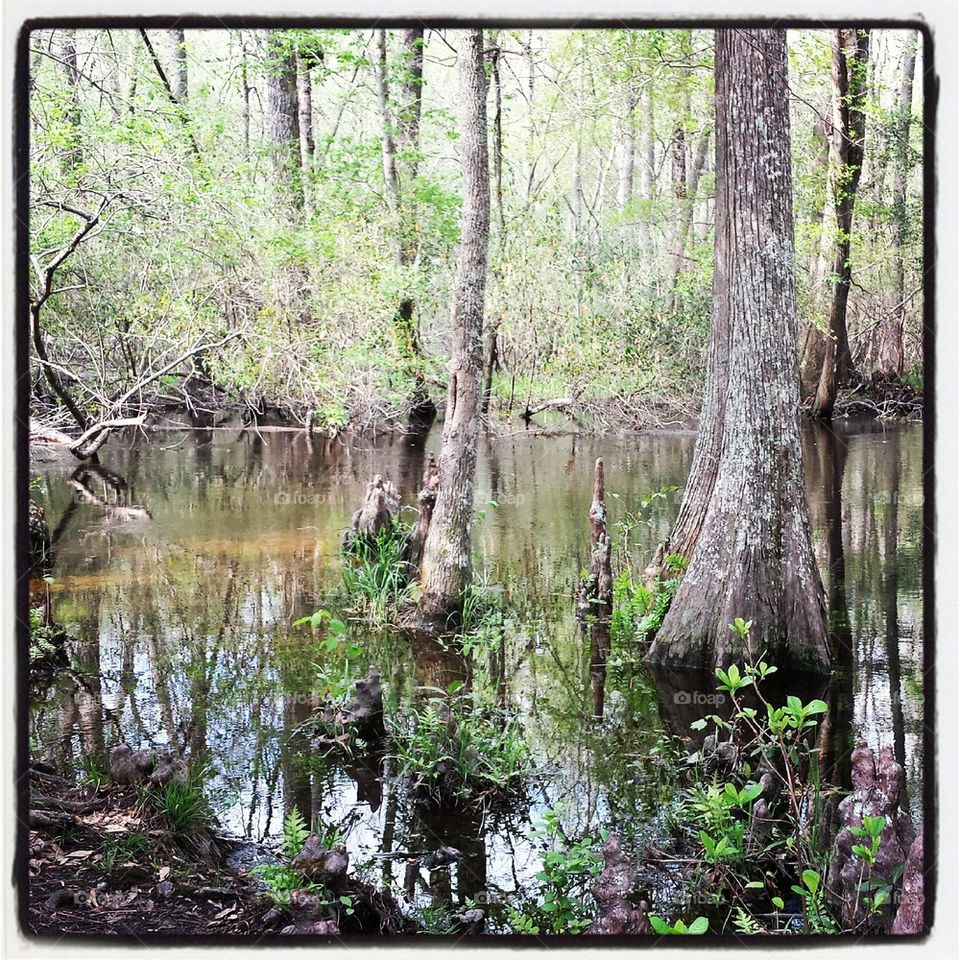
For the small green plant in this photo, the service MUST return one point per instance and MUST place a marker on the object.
(376, 573)
(564, 903)
(281, 879)
(812, 895)
(295, 833)
(181, 802)
(639, 611)
(450, 751)
(335, 670)
(660, 926)
(119, 850)
(871, 830)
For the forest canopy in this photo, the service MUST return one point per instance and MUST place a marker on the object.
(269, 219)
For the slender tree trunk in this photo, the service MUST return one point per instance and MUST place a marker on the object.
(387, 145)
(685, 214)
(401, 162)
(649, 160)
(446, 567)
(305, 104)
(179, 84)
(490, 351)
(245, 82)
(891, 361)
(497, 132)
(283, 117)
(628, 149)
(68, 54)
(527, 48)
(850, 58)
(753, 556)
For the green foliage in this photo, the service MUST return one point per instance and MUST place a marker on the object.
(181, 802)
(281, 879)
(295, 833)
(119, 850)
(450, 751)
(638, 611)
(660, 926)
(376, 574)
(563, 904)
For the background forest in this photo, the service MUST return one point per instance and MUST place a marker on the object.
(271, 219)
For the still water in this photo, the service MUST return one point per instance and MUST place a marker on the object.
(184, 558)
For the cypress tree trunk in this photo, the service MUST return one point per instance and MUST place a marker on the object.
(891, 345)
(283, 116)
(850, 57)
(446, 567)
(745, 506)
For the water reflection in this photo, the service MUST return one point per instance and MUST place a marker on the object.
(181, 619)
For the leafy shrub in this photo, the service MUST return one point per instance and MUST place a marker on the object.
(450, 752)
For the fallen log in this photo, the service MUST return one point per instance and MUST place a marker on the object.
(89, 442)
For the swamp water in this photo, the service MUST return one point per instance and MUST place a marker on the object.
(183, 560)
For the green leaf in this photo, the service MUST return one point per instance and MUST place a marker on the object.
(659, 924)
(811, 880)
(699, 926)
(777, 902)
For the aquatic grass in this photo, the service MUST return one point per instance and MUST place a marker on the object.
(376, 574)
(452, 753)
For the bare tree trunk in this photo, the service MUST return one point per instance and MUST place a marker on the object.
(628, 149)
(491, 356)
(497, 131)
(245, 82)
(850, 57)
(305, 104)
(283, 116)
(387, 148)
(74, 154)
(446, 566)
(179, 64)
(685, 214)
(649, 159)
(527, 47)
(891, 360)
(401, 162)
(753, 556)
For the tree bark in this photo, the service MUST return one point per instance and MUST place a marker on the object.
(283, 117)
(685, 214)
(628, 149)
(446, 567)
(74, 154)
(305, 105)
(891, 361)
(745, 504)
(179, 40)
(401, 164)
(850, 58)
(649, 186)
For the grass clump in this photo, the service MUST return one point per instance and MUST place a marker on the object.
(376, 573)
(452, 753)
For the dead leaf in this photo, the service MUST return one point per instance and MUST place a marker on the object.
(163, 873)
